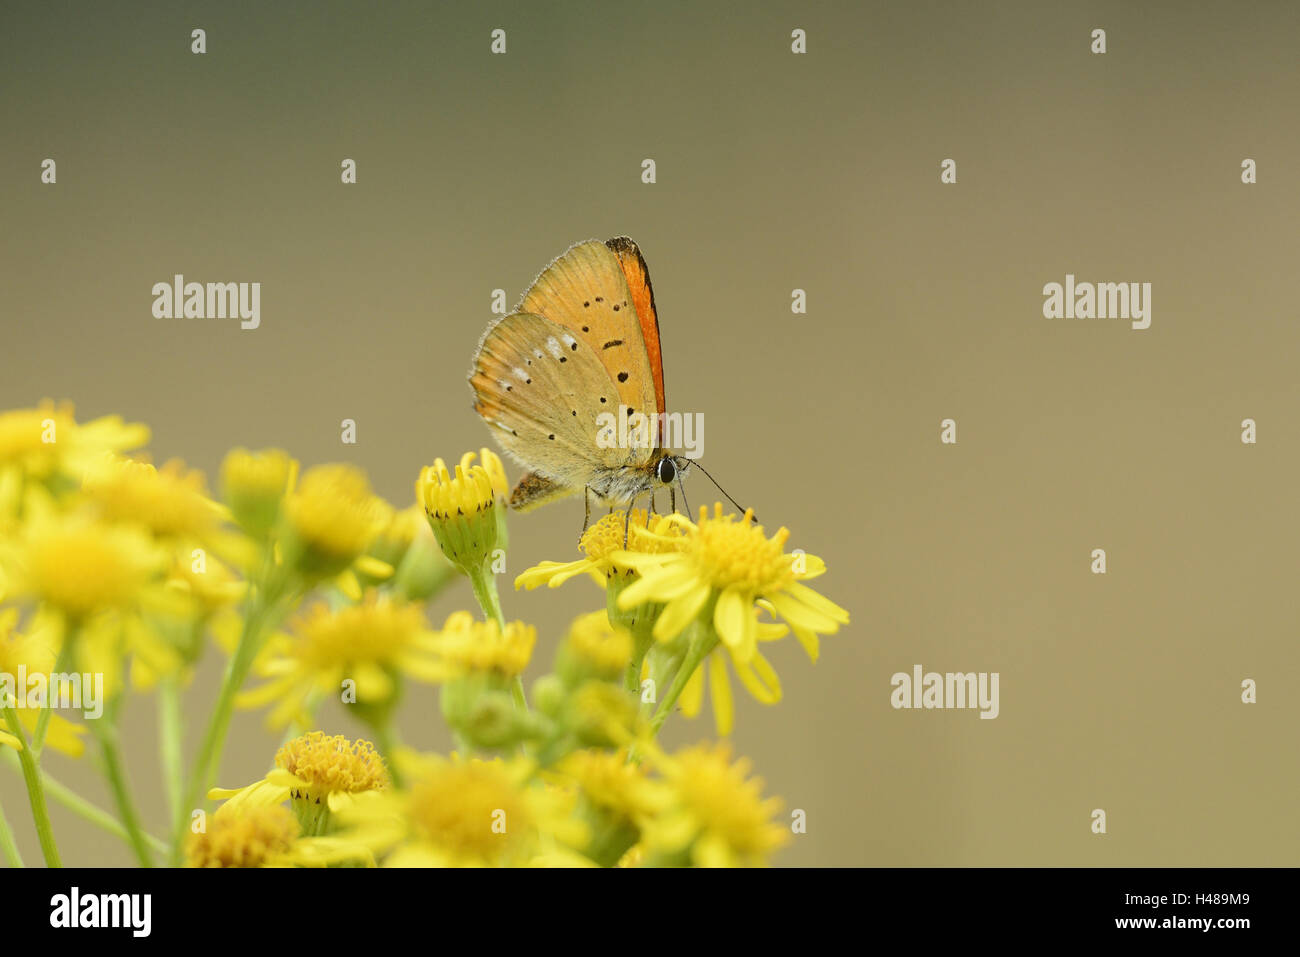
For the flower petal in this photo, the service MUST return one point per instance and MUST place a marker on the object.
(800, 615)
(818, 602)
(679, 612)
(693, 694)
(720, 693)
(760, 679)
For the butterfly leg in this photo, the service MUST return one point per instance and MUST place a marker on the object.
(627, 520)
(586, 503)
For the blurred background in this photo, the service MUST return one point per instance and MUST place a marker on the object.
(775, 171)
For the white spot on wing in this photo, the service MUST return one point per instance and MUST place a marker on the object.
(553, 346)
(568, 340)
(521, 374)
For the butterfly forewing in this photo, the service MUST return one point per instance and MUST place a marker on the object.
(586, 291)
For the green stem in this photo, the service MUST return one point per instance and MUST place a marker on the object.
(170, 733)
(61, 665)
(85, 810)
(7, 845)
(388, 745)
(35, 791)
(208, 761)
(485, 590)
(106, 733)
(702, 642)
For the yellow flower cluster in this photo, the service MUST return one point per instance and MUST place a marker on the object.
(119, 578)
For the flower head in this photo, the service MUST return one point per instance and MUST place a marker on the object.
(332, 517)
(80, 565)
(616, 797)
(46, 442)
(254, 485)
(717, 816)
(594, 648)
(467, 646)
(371, 643)
(30, 652)
(466, 814)
(320, 774)
(722, 568)
(170, 502)
(266, 835)
(603, 546)
(467, 509)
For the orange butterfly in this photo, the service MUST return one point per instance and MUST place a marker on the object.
(581, 348)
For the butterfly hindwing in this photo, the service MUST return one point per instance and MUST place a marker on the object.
(541, 389)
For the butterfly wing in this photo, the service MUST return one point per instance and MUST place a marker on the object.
(587, 291)
(637, 275)
(541, 390)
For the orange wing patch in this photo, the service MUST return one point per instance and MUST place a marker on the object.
(643, 298)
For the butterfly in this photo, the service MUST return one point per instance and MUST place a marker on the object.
(581, 349)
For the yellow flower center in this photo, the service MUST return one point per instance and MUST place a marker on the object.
(330, 764)
(726, 804)
(82, 567)
(606, 536)
(252, 837)
(170, 502)
(731, 553)
(471, 645)
(473, 811)
(333, 511)
(376, 631)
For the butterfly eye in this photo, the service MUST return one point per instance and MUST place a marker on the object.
(666, 470)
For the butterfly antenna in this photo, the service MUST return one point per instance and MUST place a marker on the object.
(719, 488)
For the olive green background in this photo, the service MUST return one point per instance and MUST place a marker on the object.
(775, 172)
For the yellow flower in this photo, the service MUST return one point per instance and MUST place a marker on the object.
(266, 836)
(371, 644)
(332, 518)
(594, 648)
(210, 584)
(757, 675)
(717, 816)
(254, 485)
(609, 781)
(602, 543)
(321, 774)
(47, 440)
(80, 566)
(468, 646)
(616, 798)
(723, 567)
(24, 655)
(171, 502)
(467, 510)
(466, 814)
